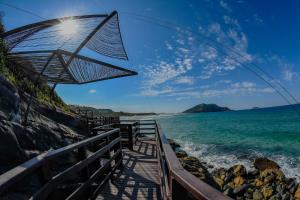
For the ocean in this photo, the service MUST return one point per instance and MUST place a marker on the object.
(223, 139)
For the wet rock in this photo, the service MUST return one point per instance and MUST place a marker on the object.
(219, 173)
(237, 170)
(258, 182)
(276, 197)
(267, 191)
(265, 163)
(241, 189)
(286, 196)
(257, 195)
(280, 175)
(294, 189)
(280, 188)
(238, 181)
(174, 144)
(252, 174)
(229, 192)
(181, 154)
(193, 165)
(219, 181)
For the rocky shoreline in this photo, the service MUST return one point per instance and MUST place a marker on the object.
(265, 182)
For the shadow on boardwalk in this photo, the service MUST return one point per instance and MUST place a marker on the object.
(139, 177)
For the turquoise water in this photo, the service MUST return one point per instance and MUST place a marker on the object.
(226, 138)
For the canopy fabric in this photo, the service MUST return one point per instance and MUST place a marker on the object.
(50, 49)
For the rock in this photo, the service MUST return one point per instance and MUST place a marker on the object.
(181, 154)
(280, 175)
(267, 191)
(229, 177)
(297, 193)
(229, 192)
(276, 197)
(10, 99)
(238, 170)
(241, 189)
(252, 174)
(257, 195)
(265, 163)
(238, 181)
(219, 181)
(219, 173)
(269, 179)
(258, 182)
(174, 144)
(193, 165)
(294, 189)
(286, 196)
(280, 188)
(11, 153)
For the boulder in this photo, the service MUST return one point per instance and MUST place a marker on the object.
(237, 170)
(11, 153)
(174, 144)
(181, 154)
(257, 195)
(267, 191)
(265, 163)
(238, 181)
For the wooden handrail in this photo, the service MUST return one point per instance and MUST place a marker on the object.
(112, 149)
(177, 174)
(176, 182)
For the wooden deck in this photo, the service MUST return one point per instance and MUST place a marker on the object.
(139, 176)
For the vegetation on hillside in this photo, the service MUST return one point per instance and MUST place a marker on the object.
(41, 91)
(206, 108)
(105, 112)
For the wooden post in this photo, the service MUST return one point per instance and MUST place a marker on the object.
(130, 137)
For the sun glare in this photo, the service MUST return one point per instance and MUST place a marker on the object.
(68, 27)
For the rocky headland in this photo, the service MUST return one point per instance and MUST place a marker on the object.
(265, 181)
(206, 108)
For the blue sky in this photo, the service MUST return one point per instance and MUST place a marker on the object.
(178, 65)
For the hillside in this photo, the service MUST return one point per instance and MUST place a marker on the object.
(104, 111)
(50, 123)
(206, 108)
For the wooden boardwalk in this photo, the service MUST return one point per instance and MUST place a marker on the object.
(139, 176)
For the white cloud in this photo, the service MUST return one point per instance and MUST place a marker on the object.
(92, 91)
(225, 5)
(153, 92)
(230, 21)
(169, 46)
(289, 75)
(287, 69)
(185, 80)
(258, 19)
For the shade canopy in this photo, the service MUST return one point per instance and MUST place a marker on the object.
(51, 49)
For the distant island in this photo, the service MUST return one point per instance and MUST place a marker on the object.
(206, 108)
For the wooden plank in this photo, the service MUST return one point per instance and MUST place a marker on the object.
(139, 178)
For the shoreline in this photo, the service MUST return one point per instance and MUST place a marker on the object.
(265, 181)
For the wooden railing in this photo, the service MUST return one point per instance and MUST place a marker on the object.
(128, 131)
(175, 181)
(77, 171)
(90, 120)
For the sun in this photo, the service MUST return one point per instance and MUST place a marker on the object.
(68, 27)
